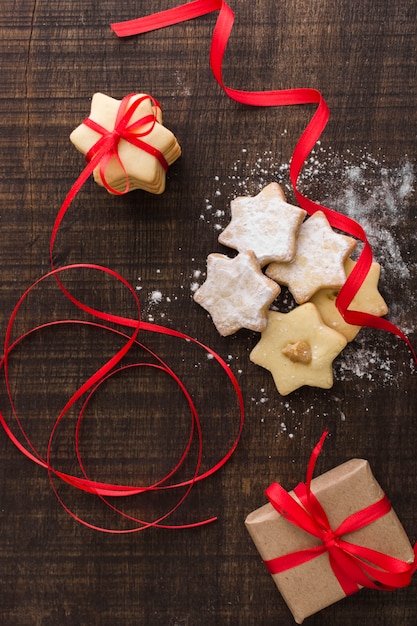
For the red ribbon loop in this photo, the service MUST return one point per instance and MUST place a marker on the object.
(308, 139)
(99, 155)
(354, 566)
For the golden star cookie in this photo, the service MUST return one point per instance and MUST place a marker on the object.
(141, 169)
(236, 293)
(298, 349)
(318, 262)
(265, 223)
(367, 299)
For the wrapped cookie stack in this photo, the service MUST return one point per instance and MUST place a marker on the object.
(144, 147)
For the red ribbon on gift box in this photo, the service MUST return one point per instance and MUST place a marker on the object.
(302, 149)
(354, 566)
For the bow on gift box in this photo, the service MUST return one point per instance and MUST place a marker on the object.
(354, 566)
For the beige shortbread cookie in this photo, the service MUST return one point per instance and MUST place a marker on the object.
(298, 349)
(265, 223)
(318, 262)
(141, 169)
(236, 293)
(368, 300)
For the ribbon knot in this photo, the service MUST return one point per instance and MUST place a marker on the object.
(330, 539)
(116, 135)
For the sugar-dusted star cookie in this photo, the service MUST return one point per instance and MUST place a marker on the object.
(265, 223)
(141, 167)
(318, 262)
(367, 299)
(236, 293)
(298, 349)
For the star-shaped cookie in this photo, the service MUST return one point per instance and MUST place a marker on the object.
(318, 262)
(368, 299)
(265, 223)
(298, 349)
(142, 170)
(236, 293)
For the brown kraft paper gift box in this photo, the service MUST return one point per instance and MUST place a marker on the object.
(342, 491)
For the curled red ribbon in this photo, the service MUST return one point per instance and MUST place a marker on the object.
(354, 566)
(308, 139)
(100, 154)
(91, 386)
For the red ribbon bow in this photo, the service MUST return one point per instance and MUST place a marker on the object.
(354, 566)
(106, 147)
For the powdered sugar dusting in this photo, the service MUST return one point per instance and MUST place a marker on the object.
(361, 185)
(156, 296)
(253, 225)
(379, 209)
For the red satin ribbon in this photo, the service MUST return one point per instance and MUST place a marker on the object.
(100, 154)
(91, 386)
(303, 148)
(354, 566)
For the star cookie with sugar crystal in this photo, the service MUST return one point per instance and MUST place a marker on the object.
(367, 300)
(318, 262)
(298, 349)
(236, 293)
(264, 223)
(137, 166)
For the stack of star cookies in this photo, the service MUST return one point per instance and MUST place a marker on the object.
(276, 243)
(135, 167)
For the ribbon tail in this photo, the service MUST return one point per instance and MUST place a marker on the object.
(162, 19)
(347, 572)
(81, 180)
(381, 571)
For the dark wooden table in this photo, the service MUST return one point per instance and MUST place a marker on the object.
(54, 55)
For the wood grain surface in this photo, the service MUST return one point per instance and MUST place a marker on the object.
(360, 54)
